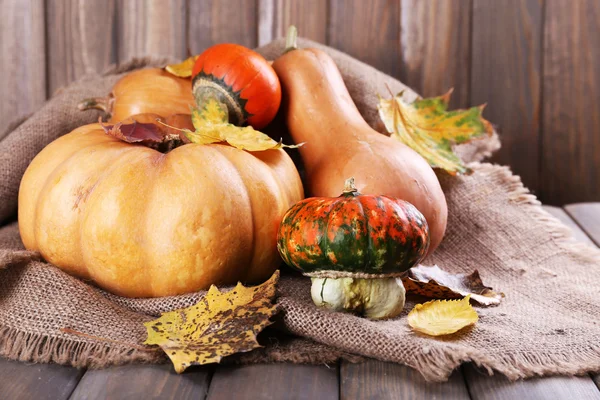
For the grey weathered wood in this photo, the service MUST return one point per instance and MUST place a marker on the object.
(497, 387)
(152, 27)
(578, 233)
(436, 48)
(222, 21)
(367, 30)
(275, 381)
(587, 216)
(547, 124)
(381, 380)
(571, 91)
(275, 16)
(144, 382)
(23, 60)
(20, 380)
(79, 39)
(506, 74)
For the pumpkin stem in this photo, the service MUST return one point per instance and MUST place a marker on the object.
(98, 103)
(206, 90)
(291, 40)
(350, 187)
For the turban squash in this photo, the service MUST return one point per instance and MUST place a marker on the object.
(353, 234)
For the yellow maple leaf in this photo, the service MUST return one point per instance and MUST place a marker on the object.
(218, 325)
(442, 317)
(212, 126)
(183, 69)
(427, 127)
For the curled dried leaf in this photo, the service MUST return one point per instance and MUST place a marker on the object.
(182, 69)
(146, 129)
(135, 132)
(427, 127)
(442, 317)
(439, 284)
(219, 325)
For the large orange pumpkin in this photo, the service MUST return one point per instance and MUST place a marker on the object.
(141, 223)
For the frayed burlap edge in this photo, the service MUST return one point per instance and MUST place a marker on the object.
(43, 348)
(436, 364)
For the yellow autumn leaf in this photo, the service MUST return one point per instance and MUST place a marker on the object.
(212, 126)
(219, 325)
(427, 127)
(207, 123)
(183, 69)
(442, 317)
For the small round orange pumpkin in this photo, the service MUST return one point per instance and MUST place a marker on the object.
(240, 78)
(145, 91)
(141, 223)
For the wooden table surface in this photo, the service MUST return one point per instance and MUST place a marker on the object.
(368, 380)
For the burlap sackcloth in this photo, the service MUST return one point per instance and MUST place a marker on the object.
(547, 324)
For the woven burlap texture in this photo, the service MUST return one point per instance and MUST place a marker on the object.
(547, 324)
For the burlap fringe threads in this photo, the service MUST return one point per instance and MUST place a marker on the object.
(45, 348)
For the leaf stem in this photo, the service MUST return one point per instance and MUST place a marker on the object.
(172, 127)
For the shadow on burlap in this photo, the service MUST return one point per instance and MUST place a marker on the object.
(547, 324)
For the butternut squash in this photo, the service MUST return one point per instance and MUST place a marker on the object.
(339, 143)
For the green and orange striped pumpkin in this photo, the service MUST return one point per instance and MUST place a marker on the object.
(353, 234)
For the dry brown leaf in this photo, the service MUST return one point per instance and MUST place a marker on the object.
(438, 284)
(219, 325)
(146, 129)
(133, 131)
(442, 317)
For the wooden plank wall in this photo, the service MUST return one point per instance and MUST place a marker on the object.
(536, 63)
